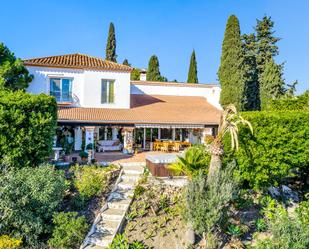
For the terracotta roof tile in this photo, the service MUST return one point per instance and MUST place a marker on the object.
(148, 109)
(78, 61)
(170, 83)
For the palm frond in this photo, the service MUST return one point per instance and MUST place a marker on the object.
(230, 120)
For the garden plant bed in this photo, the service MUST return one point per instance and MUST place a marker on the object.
(90, 206)
(154, 216)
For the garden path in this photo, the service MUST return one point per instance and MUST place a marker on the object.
(112, 214)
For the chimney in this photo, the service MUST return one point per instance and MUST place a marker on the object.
(143, 74)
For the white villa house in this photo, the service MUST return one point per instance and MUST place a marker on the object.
(99, 104)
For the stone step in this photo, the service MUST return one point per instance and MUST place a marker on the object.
(126, 185)
(92, 247)
(113, 214)
(126, 193)
(133, 170)
(119, 204)
(130, 164)
(99, 239)
(133, 177)
(120, 194)
(107, 226)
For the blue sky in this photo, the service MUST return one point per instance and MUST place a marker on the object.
(168, 28)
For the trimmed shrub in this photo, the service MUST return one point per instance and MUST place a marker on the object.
(7, 242)
(69, 231)
(278, 148)
(27, 127)
(29, 197)
(297, 103)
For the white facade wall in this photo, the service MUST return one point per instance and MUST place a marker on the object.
(92, 89)
(86, 85)
(212, 94)
(40, 82)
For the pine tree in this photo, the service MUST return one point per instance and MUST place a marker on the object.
(111, 44)
(258, 49)
(153, 71)
(269, 73)
(126, 62)
(192, 74)
(266, 42)
(271, 83)
(230, 73)
(13, 74)
(251, 90)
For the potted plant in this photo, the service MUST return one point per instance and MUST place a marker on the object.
(83, 155)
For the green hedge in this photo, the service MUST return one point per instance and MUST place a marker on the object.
(293, 104)
(278, 148)
(27, 127)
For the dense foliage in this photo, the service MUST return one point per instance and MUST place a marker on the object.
(153, 71)
(296, 103)
(69, 231)
(278, 148)
(230, 73)
(271, 83)
(13, 74)
(192, 74)
(206, 202)
(27, 127)
(29, 197)
(111, 44)
(6, 242)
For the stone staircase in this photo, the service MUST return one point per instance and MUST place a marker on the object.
(112, 214)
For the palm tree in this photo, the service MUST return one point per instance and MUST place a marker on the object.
(230, 120)
(194, 159)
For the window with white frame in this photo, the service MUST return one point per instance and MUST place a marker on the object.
(107, 91)
(61, 89)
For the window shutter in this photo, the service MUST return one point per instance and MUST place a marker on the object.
(111, 92)
(104, 91)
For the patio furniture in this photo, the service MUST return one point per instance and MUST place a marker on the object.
(165, 147)
(176, 146)
(109, 145)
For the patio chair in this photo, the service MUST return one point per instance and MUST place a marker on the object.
(176, 147)
(164, 147)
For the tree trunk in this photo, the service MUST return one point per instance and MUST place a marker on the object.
(214, 166)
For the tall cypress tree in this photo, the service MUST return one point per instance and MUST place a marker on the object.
(111, 44)
(271, 83)
(192, 74)
(230, 73)
(153, 71)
